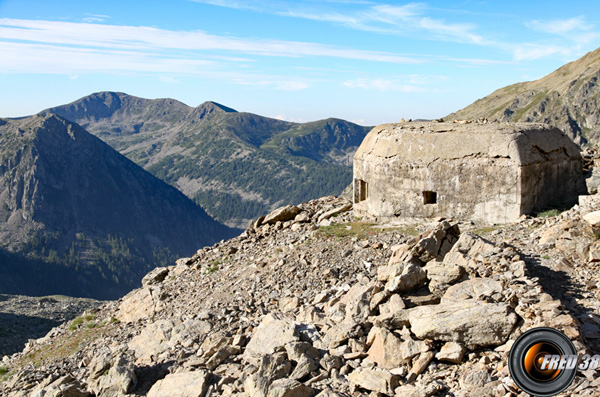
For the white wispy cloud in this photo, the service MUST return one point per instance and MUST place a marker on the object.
(410, 19)
(95, 17)
(51, 46)
(561, 27)
(44, 58)
(531, 51)
(278, 84)
(408, 83)
(380, 84)
(571, 35)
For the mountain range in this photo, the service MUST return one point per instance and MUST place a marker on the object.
(78, 218)
(568, 98)
(236, 165)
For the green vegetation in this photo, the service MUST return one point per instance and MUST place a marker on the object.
(485, 230)
(115, 263)
(362, 230)
(67, 345)
(212, 269)
(353, 229)
(274, 178)
(549, 213)
(75, 323)
(5, 374)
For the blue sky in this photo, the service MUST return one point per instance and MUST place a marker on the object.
(366, 61)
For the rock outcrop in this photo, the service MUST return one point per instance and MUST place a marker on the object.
(293, 309)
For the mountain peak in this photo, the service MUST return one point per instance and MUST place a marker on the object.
(214, 106)
(63, 189)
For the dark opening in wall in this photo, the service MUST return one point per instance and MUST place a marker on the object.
(360, 190)
(429, 197)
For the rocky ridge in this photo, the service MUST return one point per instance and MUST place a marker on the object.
(566, 98)
(311, 301)
(236, 165)
(77, 218)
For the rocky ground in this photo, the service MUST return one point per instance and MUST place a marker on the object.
(26, 317)
(311, 301)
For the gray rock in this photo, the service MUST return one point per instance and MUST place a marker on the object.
(181, 384)
(271, 368)
(282, 214)
(441, 275)
(407, 276)
(119, 380)
(155, 276)
(384, 348)
(188, 332)
(451, 352)
(153, 340)
(139, 304)
(274, 332)
(335, 211)
(374, 379)
(477, 288)
(289, 388)
(473, 323)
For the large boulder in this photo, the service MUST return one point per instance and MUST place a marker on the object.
(152, 341)
(181, 384)
(139, 304)
(119, 380)
(271, 368)
(472, 323)
(374, 379)
(274, 332)
(441, 275)
(385, 348)
(282, 214)
(404, 277)
(476, 288)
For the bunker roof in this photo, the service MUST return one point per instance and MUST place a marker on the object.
(423, 142)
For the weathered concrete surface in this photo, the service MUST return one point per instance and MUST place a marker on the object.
(491, 173)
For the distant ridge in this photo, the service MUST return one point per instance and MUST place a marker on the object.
(236, 165)
(568, 98)
(78, 218)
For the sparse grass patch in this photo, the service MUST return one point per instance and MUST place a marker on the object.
(4, 376)
(362, 230)
(548, 213)
(352, 229)
(75, 323)
(88, 317)
(3, 370)
(485, 230)
(67, 345)
(408, 230)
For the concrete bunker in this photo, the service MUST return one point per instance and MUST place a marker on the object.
(484, 172)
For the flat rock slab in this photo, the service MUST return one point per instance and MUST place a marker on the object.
(183, 384)
(282, 214)
(472, 323)
(275, 331)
